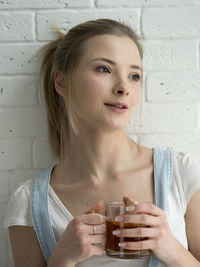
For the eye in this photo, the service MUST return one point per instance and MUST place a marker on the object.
(135, 77)
(103, 69)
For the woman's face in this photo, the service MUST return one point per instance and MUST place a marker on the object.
(109, 71)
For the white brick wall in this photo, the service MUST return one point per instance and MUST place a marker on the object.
(171, 109)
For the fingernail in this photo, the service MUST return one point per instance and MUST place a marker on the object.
(130, 208)
(116, 232)
(119, 219)
(122, 245)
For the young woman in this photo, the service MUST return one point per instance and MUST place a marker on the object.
(92, 80)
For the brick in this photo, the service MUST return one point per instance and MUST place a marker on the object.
(183, 23)
(66, 20)
(63, 20)
(170, 55)
(19, 58)
(21, 92)
(3, 231)
(180, 142)
(17, 26)
(23, 122)
(136, 3)
(15, 154)
(41, 147)
(3, 253)
(167, 118)
(77, 3)
(173, 87)
(4, 188)
(39, 4)
(198, 114)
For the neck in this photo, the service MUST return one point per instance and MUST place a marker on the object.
(98, 156)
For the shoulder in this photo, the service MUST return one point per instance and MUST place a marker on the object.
(18, 209)
(186, 169)
(24, 188)
(186, 163)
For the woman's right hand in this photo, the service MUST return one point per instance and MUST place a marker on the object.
(78, 242)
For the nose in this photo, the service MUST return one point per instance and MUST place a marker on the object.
(121, 88)
(121, 91)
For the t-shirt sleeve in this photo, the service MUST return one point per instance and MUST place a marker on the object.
(189, 169)
(18, 210)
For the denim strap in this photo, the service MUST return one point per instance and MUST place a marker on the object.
(40, 214)
(162, 180)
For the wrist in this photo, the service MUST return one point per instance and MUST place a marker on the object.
(183, 258)
(57, 260)
(53, 263)
(178, 256)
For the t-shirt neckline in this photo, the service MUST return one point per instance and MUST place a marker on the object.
(64, 208)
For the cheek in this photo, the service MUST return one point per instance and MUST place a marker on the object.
(90, 90)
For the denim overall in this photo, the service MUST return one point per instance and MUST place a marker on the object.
(39, 200)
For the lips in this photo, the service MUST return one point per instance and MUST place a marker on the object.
(118, 105)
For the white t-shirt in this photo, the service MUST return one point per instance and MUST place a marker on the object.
(185, 182)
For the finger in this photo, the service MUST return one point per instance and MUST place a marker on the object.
(97, 239)
(97, 250)
(92, 218)
(128, 201)
(96, 208)
(135, 232)
(99, 229)
(148, 208)
(139, 245)
(143, 219)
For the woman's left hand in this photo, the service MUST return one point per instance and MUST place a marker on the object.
(160, 238)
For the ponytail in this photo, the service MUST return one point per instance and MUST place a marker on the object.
(56, 113)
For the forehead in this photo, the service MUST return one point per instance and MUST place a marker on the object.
(121, 49)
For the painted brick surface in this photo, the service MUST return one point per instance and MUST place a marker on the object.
(186, 142)
(17, 26)
(18, 58)
(170, 55)
(3, 253)
(41, 153)
(15, 154)
(183, 23)
(23, 122)
(145, 3)
(45, 4)
(171, 89)
(18, 91)
(169, 118)
(67, 19)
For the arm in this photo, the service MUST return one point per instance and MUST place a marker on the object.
(25, 247)
(192, 219)
(76, 244)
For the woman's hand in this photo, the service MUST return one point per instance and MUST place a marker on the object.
(79, 241)
(160, 238)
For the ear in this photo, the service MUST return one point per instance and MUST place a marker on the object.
(59, 82)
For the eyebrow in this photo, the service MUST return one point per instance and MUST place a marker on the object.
(113, 63)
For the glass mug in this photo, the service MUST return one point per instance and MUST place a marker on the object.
(112, 249)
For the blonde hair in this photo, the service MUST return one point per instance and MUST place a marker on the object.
(64, 54)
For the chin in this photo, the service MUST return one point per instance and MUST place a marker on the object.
(115, 127)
